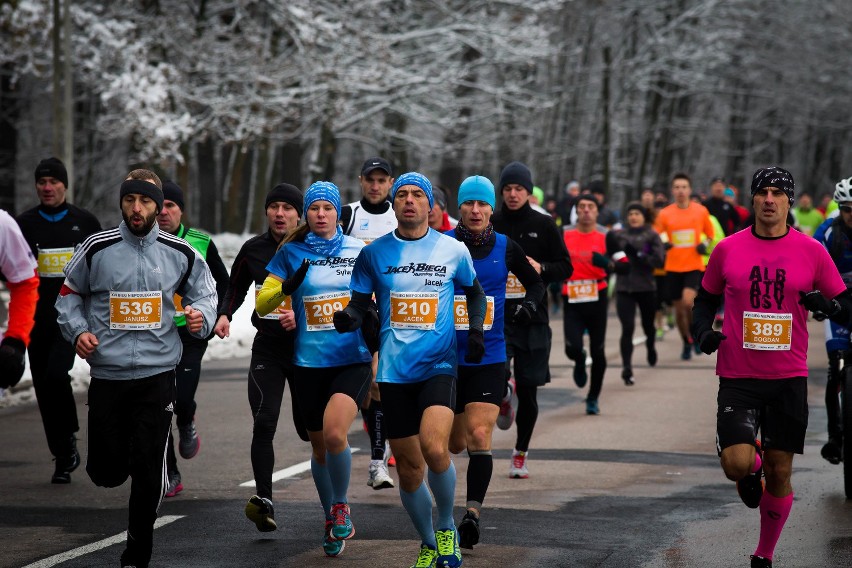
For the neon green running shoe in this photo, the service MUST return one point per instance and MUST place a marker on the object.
(449, 553)
(426, 558)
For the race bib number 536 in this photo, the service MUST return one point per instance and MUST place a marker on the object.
(135, 310)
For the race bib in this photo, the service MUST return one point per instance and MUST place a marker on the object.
(514, 288)
(52, 261)
(287, 304)
(320, 308)
(135, 310)
(414, 310)
(582, 291)
(684, 238)
(460, 311)
(767, 331)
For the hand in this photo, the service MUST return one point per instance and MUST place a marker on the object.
(222, 329)
(668, 246)
(475, 346)
(701, 248)
(291, 284)
(821, 306)
(600, 260)
(370, 329)
(12, 352)
(344, 322)
(710, 340)
(194, 319)
(629, 249)
(287, 319)
(536, 265)
(85, 345)
(522, 314)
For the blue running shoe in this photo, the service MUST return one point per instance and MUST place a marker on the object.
(343, 528)
(330, 546)
(426, 558)
(449, 553)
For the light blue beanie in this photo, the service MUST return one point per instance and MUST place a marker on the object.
(477, 188)
(323, 191)
(414, 178)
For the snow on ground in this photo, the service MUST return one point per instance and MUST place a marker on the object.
(237, 345)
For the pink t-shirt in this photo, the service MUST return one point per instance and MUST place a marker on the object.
(764, 322)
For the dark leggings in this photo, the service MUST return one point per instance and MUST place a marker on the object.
(578, 318)
(187, 375)
(625, 306)
(526, 416)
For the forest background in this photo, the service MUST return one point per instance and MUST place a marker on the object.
(229, 98)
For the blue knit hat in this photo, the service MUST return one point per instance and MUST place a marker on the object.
(477, 188)
(323, 191)
(414, 178)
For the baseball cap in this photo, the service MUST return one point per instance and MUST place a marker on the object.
(376, 163)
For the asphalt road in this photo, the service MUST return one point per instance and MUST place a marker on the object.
(638, 485)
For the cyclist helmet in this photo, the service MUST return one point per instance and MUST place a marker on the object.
(843, 191)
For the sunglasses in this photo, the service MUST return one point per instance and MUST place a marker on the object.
(845, 208)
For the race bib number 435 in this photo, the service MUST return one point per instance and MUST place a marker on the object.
(767, 331)
(135, 310)
(52, 261)
(414, 310)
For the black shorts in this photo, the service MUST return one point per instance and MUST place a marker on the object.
(529, 346)
(480, 383)
(403, 404)
(777, 407)
(314, 387)
(677, 281)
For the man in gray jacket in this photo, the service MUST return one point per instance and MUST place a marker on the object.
(116, 307)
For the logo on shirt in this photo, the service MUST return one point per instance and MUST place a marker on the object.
(170, 407)
(421, 269)
(334, 261)
(365, 224)
(767, 287)
(443, 365)
(156, 270)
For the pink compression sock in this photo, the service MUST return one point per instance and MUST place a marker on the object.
(757, 463)
(773, 514)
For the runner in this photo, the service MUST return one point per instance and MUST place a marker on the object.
(836, 235)
(769, 277)
(480, 386)
(272, 349)
(412, 272)
(682, 223)
(584, 297)
(188, 370)
(332, 373)
(53, 229)
(528, 346)
(18, 271)
(368, 219)
(116, 307)
(637, 250)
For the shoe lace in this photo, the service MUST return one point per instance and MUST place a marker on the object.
(518, 461)
(446, 542)
(340, 512)
(425, 558)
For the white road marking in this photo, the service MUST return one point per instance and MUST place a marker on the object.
(288, 472)
(83, 550)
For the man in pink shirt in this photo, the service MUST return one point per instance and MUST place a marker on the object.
(769, 278)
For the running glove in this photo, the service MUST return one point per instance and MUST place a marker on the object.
(291, 284)
(600, 260)
(629, 249)
(370, 328)
(12, 352)
(710, 340)
(522, 314)
(821, 306)
(344, 322)
(701, 248)
(475, 346)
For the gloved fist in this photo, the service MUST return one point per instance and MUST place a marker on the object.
(668, 246)
(12, 352)
(292, 284)
(370, 329)
(629, 249)
(344, 322)
(600, 260)
(522, 314)
(475, 346)
(701, 248)
(821, 306)
(710, 340)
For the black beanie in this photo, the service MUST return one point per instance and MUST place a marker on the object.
(518, 173)
(173, 192)
(288, 194)
(142, 187)
(636, 206)
(52, 167)
(773, 176)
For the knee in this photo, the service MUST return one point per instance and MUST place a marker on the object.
(335, 440)
(107, 478)
(480, 438)
(734, 468)
(777, 474)
(436, 457)
(575, 353)
(265, 423)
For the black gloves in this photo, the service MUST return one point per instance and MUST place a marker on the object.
(344, 322)
(12, 352)
(475, 346)
(629, 249)
(522, 314)
(668, 246)
(710, 340)
(622, 266)
(291, 284)
(600, 260)
(370, 328)
(701, 248)
(821, 306)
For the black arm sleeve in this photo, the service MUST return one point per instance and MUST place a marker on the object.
(557, 267)
(238, 285)
(218, 270)
(475, 304)
(345, 219)
(704, 311)
(517, 262)
(358, 306)
(842, 317)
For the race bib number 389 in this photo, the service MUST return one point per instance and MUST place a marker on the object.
(767, 331)
(414, 310)
(135, 310)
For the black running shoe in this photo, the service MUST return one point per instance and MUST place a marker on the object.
(760, 562)
(65, 465)
(686, 354)
(627, 376)
(750, 487)
(831, 451)
(469, 530)
(580, 376)
(652, 356)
